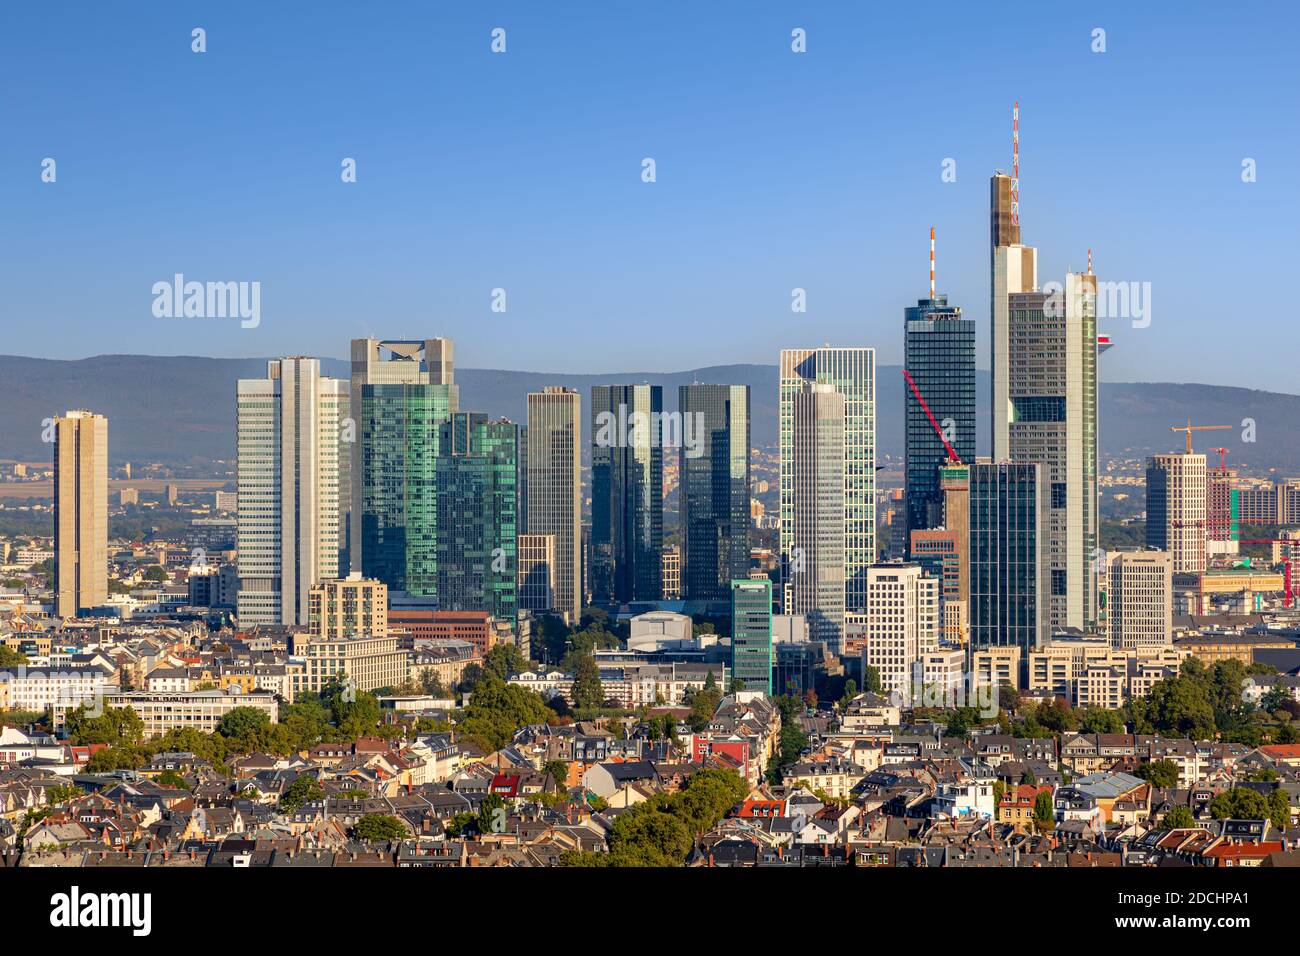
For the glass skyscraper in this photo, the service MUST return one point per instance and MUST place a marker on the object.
(627, 493)
(852, 373)
(1009, 541)
(398, 430)
(939, 356)
(751, 634)
(714, 489)
(475, 541)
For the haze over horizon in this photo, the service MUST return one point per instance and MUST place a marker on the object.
(478, 171)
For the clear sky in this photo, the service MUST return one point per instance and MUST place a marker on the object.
(523, 171)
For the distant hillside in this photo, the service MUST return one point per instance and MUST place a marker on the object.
(180, 410)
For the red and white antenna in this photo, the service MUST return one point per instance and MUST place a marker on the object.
(1015, 164)
(1089, 262)
(932, 263)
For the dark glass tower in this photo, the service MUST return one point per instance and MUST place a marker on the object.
(476, 514)
(939, 356)
(627, 493)
(714, 488)
(1009, 522)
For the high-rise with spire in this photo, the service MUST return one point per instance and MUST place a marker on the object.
(1044, 402)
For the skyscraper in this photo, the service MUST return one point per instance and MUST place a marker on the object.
(387, 362)
(939, 401)
(851, 372)
(1176, 509)
(627, 493)
(814, 569)
(1008, 555)
(714, 489)
(80, 512)
(751, 634)
(477, 478)
(1044, 402)
(289, 454)
(555, 488)
(398, 431)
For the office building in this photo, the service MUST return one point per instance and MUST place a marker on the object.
(349, 607)
(671, 563)
(939, 403)
(751, 634)
(1044, 348)
(474, 520)
(80, 512)
(388, 362)
(536, 572)
(399, 427)
(814, 568)
(555, 488)
(902, 623)
(289, 452)
(627, 493)
(851, 373)
(714, 470)
(1139, 599)
(1176, 509)
(1008, 559)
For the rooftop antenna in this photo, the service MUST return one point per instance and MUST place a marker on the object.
(1089, 262)
(1015, 164)
(932, 263)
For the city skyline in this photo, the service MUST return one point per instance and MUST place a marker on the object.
(282, 196)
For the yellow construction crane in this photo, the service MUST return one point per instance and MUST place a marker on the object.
(1189, 428)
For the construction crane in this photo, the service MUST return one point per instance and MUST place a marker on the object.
(1189, 428)
(1223, 460)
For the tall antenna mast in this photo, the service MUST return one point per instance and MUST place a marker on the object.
(932, 263)
(1015, 164)
(1089, 262)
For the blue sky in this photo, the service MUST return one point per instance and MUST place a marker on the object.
(522, 171)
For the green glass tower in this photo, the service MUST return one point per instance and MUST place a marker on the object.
(751, 634)
(476, 513)
(398, 429)
(714, 488)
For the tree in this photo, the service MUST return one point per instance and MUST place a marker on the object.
(1044, 812)
(1179, 818)
(170, 778)
(559, 771)
(304, 789)
(380, 828)
(114, 726)
(588, 693)
(871, 682)
(244, 727)
(1160, 773)
(1279, 809)
(1239, 803)
(497, 710)
(11, 658)
(1101, 721)
(503, 661)
(156, 573)
(492, 814)
(704, 704)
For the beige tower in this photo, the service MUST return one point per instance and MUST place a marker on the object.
(1140, 600)
(80, 512)
(1176, 509)
(555, 488)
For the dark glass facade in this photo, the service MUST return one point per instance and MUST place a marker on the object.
(627, 493)
(939, 347)
(714, 489)
(477, 508)
(1008, 561)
